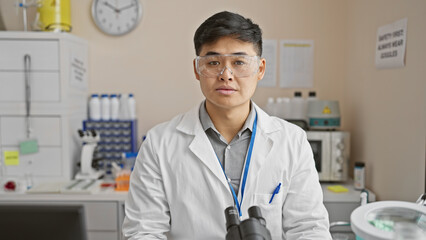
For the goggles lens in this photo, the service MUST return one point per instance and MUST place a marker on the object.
(239, 65)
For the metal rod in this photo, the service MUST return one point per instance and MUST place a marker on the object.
(27, 66)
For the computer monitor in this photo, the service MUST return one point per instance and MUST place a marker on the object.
(44, 222)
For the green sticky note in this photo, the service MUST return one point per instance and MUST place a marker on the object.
(28, 146)
(11, 158)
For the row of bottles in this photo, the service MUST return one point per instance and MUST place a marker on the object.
(112, 107)
(289, 108)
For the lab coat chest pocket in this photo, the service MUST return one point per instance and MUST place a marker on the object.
(272, 212)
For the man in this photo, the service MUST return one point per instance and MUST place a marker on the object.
(225, 152)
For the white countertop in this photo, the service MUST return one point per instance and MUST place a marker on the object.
(108, 194)
(54, 194)
(351, 195)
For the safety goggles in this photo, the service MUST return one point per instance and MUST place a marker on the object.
(239, 66)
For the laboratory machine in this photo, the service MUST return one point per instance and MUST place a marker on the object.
(390, 220)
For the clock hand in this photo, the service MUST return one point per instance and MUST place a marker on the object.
(112, 7)
(126, 7)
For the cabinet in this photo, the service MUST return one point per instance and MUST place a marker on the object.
(341, 205)
(103, 213)
(58, 71)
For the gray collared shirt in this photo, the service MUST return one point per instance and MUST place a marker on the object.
(231, 155)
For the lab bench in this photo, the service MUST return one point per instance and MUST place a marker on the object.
(104, 211)
(340, 205)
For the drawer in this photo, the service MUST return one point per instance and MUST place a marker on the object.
(91, 235)
(47, 162)
(45, 87)
(101, 216)
(44, 54)
(47, 130)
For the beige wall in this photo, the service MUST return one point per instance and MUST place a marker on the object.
(383, 109)
(155, 60)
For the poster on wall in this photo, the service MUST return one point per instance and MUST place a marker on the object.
(391, 44)
(296, 63)
(269, 52)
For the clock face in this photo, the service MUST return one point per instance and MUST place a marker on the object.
(116, 17)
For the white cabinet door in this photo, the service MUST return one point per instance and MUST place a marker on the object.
(44, 54)
(47, 130)
(92, 235)
(44, 87)
(45, 163)
(101, 216)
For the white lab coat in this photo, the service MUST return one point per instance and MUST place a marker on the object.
(178, 189)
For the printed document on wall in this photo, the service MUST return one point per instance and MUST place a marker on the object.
(390, 45)
(296, 63)
(270, 54)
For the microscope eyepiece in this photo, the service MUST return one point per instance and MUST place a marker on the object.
(254, 212)
(253, 228)
(232, 217)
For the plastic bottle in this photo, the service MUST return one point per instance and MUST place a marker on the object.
(115, 105)
(311, 97)
(359, 176)
(129, 159)
(95, 108)
(286, 107)
(132, 106)
(278, 110)
(105, 108)
(269, 108)
(124, 112)
(298, 107)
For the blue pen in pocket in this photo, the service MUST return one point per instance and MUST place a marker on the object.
(277, 190)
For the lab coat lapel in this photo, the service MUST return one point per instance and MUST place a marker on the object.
(260, 156)
(200, 145)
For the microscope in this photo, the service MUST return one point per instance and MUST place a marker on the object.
(253, 228)
(90, 139)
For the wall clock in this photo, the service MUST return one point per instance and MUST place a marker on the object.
(116, 17)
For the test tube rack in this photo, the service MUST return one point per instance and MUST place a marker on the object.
(117, 137)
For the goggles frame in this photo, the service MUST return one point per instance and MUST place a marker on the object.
(251, 62)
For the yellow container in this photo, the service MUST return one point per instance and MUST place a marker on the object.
(54, 15)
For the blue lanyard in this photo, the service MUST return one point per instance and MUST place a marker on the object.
(246, 169)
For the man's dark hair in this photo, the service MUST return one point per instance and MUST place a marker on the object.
(224, 24)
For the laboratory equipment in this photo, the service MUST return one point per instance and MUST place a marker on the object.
(359, 175)
(253, 228)
(81, 186)
(105, 107)
(24, 5)
(389, 220)
(122, 180)
(132, 106)
(331, 151)
(117, 137)
(124, 110)
(95, 108)
(323, 114)
(115, 107)
(129, 159)
(90, 140)
(298, 107)
(54, 15)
